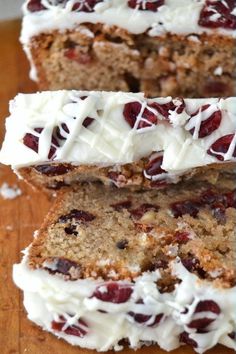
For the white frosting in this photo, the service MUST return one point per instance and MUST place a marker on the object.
(47, 297)
(110, 140)
(178, 17)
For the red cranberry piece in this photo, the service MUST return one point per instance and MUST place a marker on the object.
(146, 5)
(32, 142)
(164, 109)
(230, 198)
(218, 14)
(181, 236)
(190, 207)
(74, 55)
(71, 230)
(35, 6)
(58, 131)
(88, 121)
(53, 170)
(142, 209)
(85, 5)
(232, 335)
(142, 319)
(184, 338)
(201, 323)
(80, 216)
(122, 205)
(77, 329)
(210, 124)
(131, 112)
(208, 305)
(153, 167)
(221, 146)
(215, 88)
(192, 264)
(115, 293)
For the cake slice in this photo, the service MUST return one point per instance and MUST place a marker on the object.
(109, 269)
(162, 47)
(57, 138)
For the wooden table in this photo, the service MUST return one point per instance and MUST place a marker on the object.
(19, 218)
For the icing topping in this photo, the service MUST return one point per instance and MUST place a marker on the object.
(97, 315)
(106, 129)
(137, 16)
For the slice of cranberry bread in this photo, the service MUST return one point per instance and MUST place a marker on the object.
(144, 267)
(118, 138)
(133, 45)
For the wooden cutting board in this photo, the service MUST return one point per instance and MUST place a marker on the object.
(20, 217)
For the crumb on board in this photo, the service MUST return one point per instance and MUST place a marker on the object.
(7, 192)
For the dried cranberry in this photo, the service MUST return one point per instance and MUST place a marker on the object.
(209, 125)
(80, 216)
(201, 323)
(142, 319)
(122, 244)
(230, 198)
(71, 230)
(192, 264)
(85, 5)
(190, 207)
(53, 170)
(32, 142)
(232, 335)
(131, 112)
(114, 292)
(146, 5)
(142, 209)
(87, 122)
(35, 6)
(221, 147)
(58, 131)
(122, 205)
(218, 14)
(63, 266)
(74, 55)
(181, 236)
(208, 305)
(153, 167)
(215, 88)
(77, 329)
(184, 338)
(164, 109)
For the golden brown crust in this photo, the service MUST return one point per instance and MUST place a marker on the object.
(109, 58)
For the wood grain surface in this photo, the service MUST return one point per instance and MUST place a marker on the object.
(20, 217)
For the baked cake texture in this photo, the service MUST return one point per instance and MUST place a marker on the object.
(162, 47)
(143, 267)
(118, 138)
